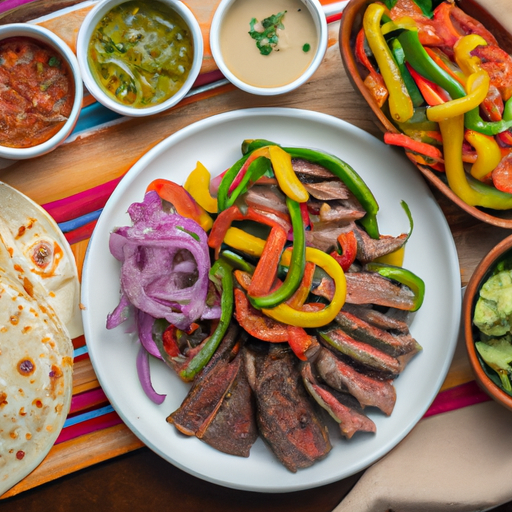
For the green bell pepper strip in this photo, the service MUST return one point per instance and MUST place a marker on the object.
(341, 170)
(296, 267)
(412, 88)
(403, 276)
(221, 274)
(229, 176)
(421, 61)
(236, 261)
(400, 103)
(256, 170)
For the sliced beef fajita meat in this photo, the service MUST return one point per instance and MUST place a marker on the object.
(326, 215)
(328, 190)
(266, 198)
(232, 428)
(309, 172)
(393, 344)
(367, 390)
(343, 408)
(326, 239)
(368, 248)
(209, 387)
(361, 353)
(387, 321)
(370, 288)
(286, 416)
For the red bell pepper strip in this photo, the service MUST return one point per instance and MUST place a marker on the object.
(427, 150)
(265, 272)
(445, 27)
(221, 225)
(181, 200)
(432, 94)
(300, 341)
(374, 81)
(298, 299)
(256, 323)
(348, 246)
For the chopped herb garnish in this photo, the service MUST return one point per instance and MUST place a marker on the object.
(267, 40)
(54, 62)
(306, 48)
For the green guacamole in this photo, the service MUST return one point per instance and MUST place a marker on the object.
(141, 53)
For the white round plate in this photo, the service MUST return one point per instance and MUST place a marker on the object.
(431, 253)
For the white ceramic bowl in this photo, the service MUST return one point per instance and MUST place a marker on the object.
(51, 40)
(316, 11)
(84, 36)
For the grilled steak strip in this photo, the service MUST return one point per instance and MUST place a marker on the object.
(369, 248)
(286, 418)
(370, 288)
(361, 352)
(232, 428)
(393, 344)
(377, 319)
(342, 377)
(344, 411)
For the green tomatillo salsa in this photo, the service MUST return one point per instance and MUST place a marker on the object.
(141, 53)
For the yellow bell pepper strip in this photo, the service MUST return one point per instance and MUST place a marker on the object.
(182, 201)
(298, 299)
(244, 242)
(488, 153)
(373, 81)
(288, 181)
(295, 266)
(412, 88)
(473, 193)
(198, 186)
(400, 103)
(311, 319)
(477, 88)
(419, 59)
(468, 63)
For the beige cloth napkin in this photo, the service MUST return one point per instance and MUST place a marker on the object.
(456, 461)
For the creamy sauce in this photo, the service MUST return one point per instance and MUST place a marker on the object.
(287, 60)
(141, 53)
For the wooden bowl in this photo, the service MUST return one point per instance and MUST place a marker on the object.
(482, 272)
(351, 23)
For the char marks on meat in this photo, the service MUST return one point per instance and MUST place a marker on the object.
(233, 427)
(370, 288)
(387, 321)
(342, 407)
(393, 344)
(361, 353)
(266, 198)
(286, 417)
(367, 390)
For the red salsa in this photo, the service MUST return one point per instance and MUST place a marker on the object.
(36, 92)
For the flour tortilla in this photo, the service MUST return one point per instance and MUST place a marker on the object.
(36, 361)
(28, 227)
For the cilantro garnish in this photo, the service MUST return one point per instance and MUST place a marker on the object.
(267, 40)
(54, 62)
(306, 48)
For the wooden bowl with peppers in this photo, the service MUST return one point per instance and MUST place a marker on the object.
(438, 76)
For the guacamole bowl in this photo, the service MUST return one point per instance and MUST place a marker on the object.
(484, 299)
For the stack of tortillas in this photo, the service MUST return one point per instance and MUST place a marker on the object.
(39, 315)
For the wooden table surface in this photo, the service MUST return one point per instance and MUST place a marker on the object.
(140, 480)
